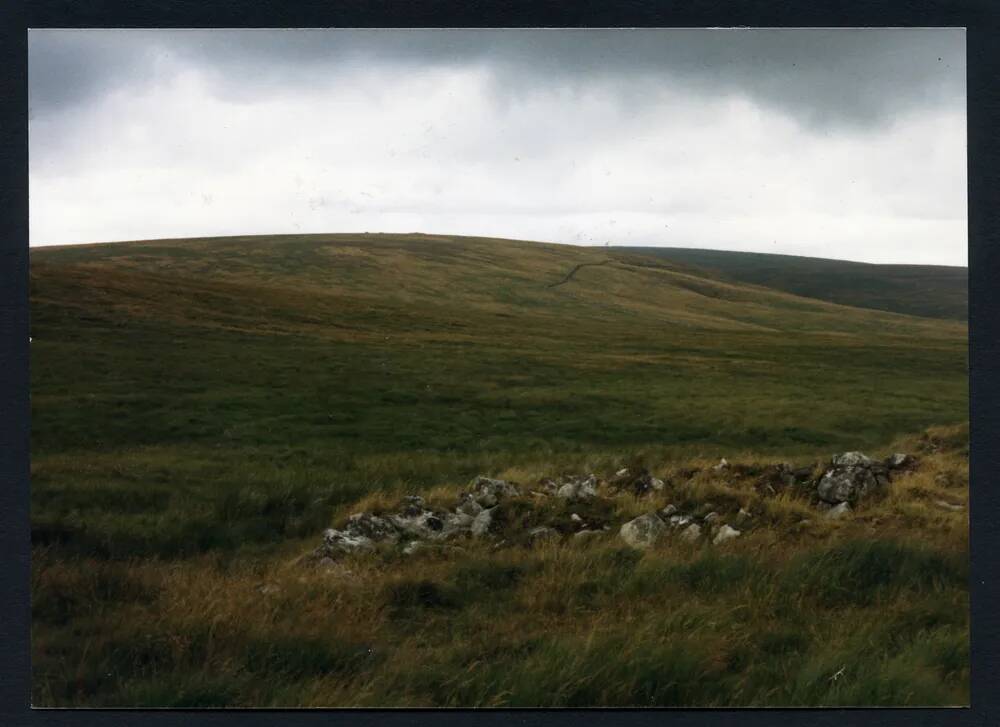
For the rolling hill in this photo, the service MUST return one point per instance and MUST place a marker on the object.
(936, 291)
(202, 409)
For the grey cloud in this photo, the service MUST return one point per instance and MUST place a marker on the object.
(823, 78)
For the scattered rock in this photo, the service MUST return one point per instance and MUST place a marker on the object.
(838, 511)
(711, 517)
(584, 535)
(467, 505)
(481, 524)
(691, 533)
(638, 483)
(668, 511)
(643, 531)
(900, 461)
(578, 488)
(576, 518)
(743, 518)
(411, 506)
(725, 533)
(723, 465)
(487, 492)
(412, 547)
(948, 506)
(678, 521)
(423, 524)
(342, 542)
(373, 527)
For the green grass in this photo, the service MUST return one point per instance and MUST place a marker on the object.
(202, 409)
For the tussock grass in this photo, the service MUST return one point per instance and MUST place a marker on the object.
(201, 410)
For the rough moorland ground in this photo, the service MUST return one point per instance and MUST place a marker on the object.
(202, 410)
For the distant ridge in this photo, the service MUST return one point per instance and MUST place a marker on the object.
(932, 291)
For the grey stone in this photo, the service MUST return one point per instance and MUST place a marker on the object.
(851, 459)
(678, 521)
(467, 505)
(846, 484)
(643, 531)
(371, 526)
(578, 488)
(668, 510)
(481, 525)
(711, 517)
(488, 492)
(691, 533)
(723, 465)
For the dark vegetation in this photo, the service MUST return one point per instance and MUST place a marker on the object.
(202, 409)
(936, 291)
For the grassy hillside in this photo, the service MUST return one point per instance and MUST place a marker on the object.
(202, 409)
(936, 291)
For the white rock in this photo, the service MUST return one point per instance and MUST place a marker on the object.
(948, 506)
(481, 525)
(725, 533)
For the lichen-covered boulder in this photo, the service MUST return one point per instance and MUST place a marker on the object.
(643, 531)
(851, 476)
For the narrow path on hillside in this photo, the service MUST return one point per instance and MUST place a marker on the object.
(571, 273)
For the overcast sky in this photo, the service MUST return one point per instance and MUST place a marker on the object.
(835, 143)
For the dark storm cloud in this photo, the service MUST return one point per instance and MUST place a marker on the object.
(823, 78)
(840, 143)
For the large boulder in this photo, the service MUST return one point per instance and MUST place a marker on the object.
(851, 477)
(643, 531)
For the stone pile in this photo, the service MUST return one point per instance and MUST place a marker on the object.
(842, 483)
